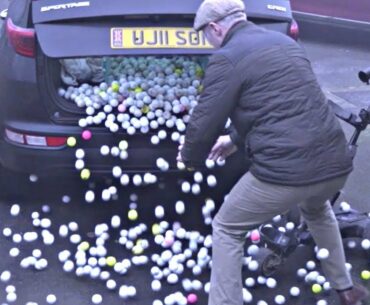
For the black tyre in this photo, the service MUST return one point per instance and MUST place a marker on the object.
(268, 261)
(294, 215)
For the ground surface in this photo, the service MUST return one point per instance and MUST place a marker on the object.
(336, 68)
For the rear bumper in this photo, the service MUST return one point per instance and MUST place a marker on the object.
(35, 161)
(50, 161)
(142, 155)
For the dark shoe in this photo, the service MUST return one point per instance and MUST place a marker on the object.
(353, 296)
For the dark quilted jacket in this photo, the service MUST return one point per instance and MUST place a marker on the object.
(264, 82)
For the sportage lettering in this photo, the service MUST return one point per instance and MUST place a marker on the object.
(65, 6)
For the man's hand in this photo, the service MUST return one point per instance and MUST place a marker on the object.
(223, 148)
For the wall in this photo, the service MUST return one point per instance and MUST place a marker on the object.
(349, 9)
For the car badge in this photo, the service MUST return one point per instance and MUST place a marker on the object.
(274, 7)
(65, 6)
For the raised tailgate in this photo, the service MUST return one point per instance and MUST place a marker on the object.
(84, 28)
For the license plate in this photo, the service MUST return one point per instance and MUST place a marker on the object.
(157, 38)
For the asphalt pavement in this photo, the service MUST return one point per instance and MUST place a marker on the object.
(336, 68)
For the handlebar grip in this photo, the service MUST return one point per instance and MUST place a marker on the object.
(364, 75)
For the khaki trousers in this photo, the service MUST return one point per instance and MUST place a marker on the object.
(252, 202)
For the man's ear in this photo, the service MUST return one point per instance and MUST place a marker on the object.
(216, 28)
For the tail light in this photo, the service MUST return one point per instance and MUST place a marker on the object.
(294, 30)
(22, 40)
(34, 140)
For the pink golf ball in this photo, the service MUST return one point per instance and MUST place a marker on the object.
(168, 241)
(255, 236)
(121, 108)
(86, 135)
(192, 298)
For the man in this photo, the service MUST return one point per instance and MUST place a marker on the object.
(263, 81)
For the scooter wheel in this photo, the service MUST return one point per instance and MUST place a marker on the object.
(366, 234)
(268, 261)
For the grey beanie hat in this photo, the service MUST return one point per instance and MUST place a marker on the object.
(215, 10)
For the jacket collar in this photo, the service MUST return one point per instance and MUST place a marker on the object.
(233, 30)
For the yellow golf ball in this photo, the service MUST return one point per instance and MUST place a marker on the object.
(137, 249)
(132, 215)
(85, 174)
(178, 71)
(156, 229)
(145, 109)
(123, 145)
(200, 88)
(138, 90)
(115, 87)
(84, 246)
(199, 72)
(365, 275)
(71, 141)
(316, 288)
(111, 261)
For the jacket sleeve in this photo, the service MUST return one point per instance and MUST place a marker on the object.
(235, 137)
(220, 95)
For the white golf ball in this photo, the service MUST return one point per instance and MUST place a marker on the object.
(125, 179)
(180, 207)
(310, 265)
(45, 223)
(271, 283)
(253, 265)
(36, 253)
(104, 150)
(10, 289)
(159, 211)
(185, 187)
(156, 285)
(210, 163)
(365, 244)
(322, 254)
(80, 153)
(97, 299)
(15, 210)
(172, 278)
(195, 189)
(117, 172)
(111, 284)
(73, 226)
(11, 297)
(211, 181)
(106, 195)
(14, 252)
(280, 299)
(5, 276)
(250, 282)
(115, 221)
(17, 238)
(137, 180)
(68, 266)
(253, 250)
(198, 177)
(247, 296)
(51, 299)
(345, 207)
